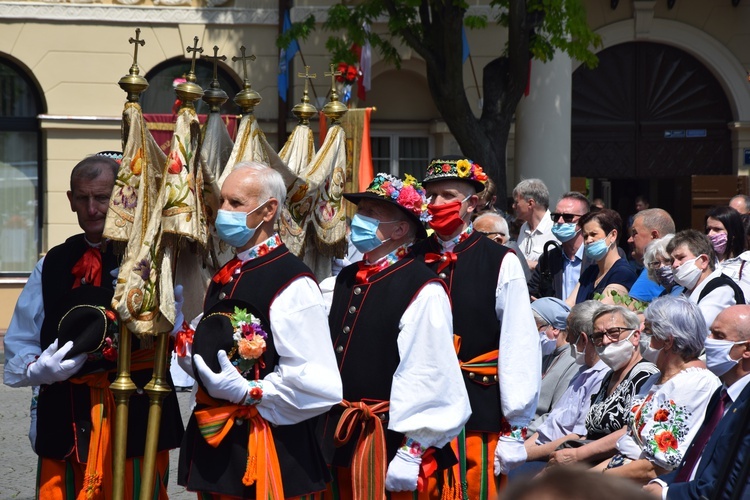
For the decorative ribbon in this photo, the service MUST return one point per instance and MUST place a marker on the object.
(88, 269)
(484, 364)
(262, 467)
(225, 273)
(183, 339)
(369, 461)
(97, 482)
(366, 271)
(445, 260)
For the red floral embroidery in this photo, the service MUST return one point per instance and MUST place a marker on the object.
(666, 440)
(175, 163)
(661, 415)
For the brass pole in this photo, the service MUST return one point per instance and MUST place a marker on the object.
(157, 390)
(122, 388)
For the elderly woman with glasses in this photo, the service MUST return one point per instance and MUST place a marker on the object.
(616, 336)
(665, 418)
(658, 263)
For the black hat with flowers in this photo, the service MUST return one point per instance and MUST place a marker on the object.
(235, 327)
(407, 195)
(91, 323)
(457, 168)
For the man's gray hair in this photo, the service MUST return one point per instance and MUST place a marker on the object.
(496, 221)
(92, 167)
(679, 318)
(534, 189)
(630, 318)
(656, 219)
(581, 317)
(271, 183)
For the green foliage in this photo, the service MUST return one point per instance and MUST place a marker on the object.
(558, 25)
(625, 301)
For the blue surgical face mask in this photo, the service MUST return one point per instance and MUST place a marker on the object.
(565, 232)
(364, 235)
(232, 226)
(597, 250)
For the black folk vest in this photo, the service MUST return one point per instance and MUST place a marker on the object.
(220, 470)
(472, 281)
(364, 322)
(64, 408)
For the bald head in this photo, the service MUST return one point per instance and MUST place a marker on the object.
(741, 203)
(493, 225)
(733, 323)
(648, 225)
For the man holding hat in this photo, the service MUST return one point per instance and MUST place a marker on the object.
(263, 358)
(492, 318)
(63, 338)
(558, 367)
(392, 332)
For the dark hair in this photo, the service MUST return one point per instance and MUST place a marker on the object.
(732, 222)
(607, 219)
(697, 242)
(92, 167)
(575, 195)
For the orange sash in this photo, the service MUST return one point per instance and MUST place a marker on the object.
(368, 463)
(214, 424)
(484, 364)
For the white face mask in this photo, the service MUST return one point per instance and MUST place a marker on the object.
(687, 274)
(648, 352)
(548, 344)
(579, 356)
(617, 354)
(718, 359)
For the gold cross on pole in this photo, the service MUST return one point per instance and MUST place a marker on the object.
(244, 60)
(307, 76)
(333, 74)
(137, 41)
(194, 50)
(215, 59)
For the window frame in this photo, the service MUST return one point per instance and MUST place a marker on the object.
(394, 137)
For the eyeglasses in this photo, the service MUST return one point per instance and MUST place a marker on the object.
(613, 334)
(490, 233)
(566, 217)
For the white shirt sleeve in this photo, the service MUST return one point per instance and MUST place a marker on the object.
(22, 340)
(520, 361)
(306, 382)
(428, 401)
(714, 302)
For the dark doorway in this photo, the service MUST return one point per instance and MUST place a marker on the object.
(645, 120)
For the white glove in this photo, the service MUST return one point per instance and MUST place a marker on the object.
(186, 362)
(509, 454)
(50, 367)
(179, 301)
(403, 472)
(228, 384)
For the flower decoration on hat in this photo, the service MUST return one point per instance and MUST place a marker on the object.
(249, 341)
(461, 169)
(409, 193)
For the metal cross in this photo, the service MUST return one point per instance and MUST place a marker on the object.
(215, 58)
(333, 74)
(195, 50)
(244, 60)
(307, 76)
(137, 41)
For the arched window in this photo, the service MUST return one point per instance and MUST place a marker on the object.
(160, 95)
(20, 169)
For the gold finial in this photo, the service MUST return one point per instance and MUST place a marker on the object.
(133, 83)
(304, 110)
(190, 91)
(247, 98)
(335, 109)
(215, 96)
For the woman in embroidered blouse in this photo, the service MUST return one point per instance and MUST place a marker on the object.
(616, 338)
(666, 416)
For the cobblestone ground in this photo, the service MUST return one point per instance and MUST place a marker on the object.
(18, 462)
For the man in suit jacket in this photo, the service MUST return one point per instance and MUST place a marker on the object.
(720, 464)
(565, 271)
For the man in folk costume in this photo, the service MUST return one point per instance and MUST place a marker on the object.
(391, 327)
(253, 431)
(60, 312)
(496, 337)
